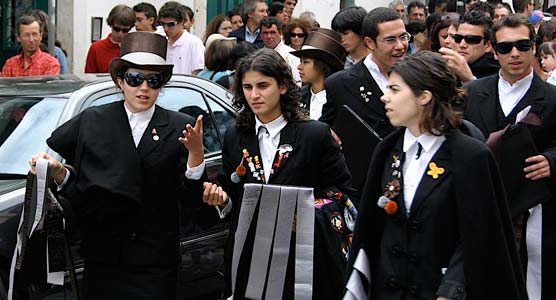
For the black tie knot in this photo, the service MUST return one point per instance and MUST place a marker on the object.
(419, 150)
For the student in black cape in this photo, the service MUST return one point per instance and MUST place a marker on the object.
(435, 223)
(135, 165)
(266, 96)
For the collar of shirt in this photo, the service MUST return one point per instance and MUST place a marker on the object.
(274, 127)
(181, 40)
(510, 94)
(525, 82)
(317, 102)
(34, 57)
(247, 31)
(426, 140)
(140, 117)
(373, 68)
(112, 44)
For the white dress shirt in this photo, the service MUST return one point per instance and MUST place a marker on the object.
(534, 252)
(317, 102)
(186, 54)
(269, 138)
(510, 94)
(381, 80)
(414, 168)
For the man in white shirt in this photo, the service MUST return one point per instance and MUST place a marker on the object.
(517, 95)
(185, 51)
(271, 32)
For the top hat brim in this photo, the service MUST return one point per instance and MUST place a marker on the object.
(325, 56)
(118, 64)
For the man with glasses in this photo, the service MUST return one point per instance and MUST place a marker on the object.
(361, 86)
(120, 19)
(516, 95)
(32, 61)
(255, 11)
(185, 50)
(473, 37)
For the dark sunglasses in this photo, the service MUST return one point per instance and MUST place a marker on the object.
(168, 24)
(470, 39)
(299, 35)
(506, 47)
(118, 29)
(135, 79)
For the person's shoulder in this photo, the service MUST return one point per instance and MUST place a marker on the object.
(339, 76)
(473, 147)
(311, 127)
(482, 83)
(238, 32)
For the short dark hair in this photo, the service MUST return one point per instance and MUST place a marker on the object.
(173, 9)
(121, 14)
(429, 71)
(479, 18)
(414, 4)
(189, 12)
(323, 67)
(349, 18)
(269, 21)
(376, 17)
(236, 11)
(520, 5)
(148, 9)
(416, 26)
(275, 7)
(551, 10)
(218, 56)
(269, 63)
(513, 21)
(27, 20)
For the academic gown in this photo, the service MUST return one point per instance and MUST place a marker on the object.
(315, 161)
(458, 237)
(127, 199)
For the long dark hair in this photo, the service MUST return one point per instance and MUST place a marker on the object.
(269, 63)
(428, 71)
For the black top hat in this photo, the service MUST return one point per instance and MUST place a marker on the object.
(326, 45)
(142, 50)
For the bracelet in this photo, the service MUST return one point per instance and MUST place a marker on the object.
(59, 170)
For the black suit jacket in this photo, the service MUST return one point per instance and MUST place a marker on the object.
(458, 221)
(239, 34)
(316, 162)
(481, 109)
(356, 88)
(127, 199)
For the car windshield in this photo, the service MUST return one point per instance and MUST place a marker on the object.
(25, 124)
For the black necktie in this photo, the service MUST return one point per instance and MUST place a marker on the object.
(264, 131)
(419, 150)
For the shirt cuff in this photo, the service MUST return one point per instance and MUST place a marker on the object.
(61, 185)
(224, 211)
(195, 173)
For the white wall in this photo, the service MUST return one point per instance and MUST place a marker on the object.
(77, 40)
(323, 9)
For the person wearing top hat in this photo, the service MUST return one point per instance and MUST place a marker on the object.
(320, 56)
(288, 148)
(134, 165)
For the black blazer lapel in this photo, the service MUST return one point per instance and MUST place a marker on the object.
(428, 182)
(250, 142)
(534, 96)
(487, 98)
(122, 127)
(364, 87)
(288, 137)
(155, 133)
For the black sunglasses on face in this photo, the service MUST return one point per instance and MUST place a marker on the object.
(506, 47)
(135, 79)
(168, 24)
(299, 35)
(470, 39)
(118, 29)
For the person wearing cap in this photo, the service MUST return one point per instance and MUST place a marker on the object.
(321, 55)
(218, 57)
(134, 165)
(270, 120)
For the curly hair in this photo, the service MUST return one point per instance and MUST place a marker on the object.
(269, 63)
(429, 71)
(293, 24)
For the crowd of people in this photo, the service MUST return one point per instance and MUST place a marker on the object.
(458, 199)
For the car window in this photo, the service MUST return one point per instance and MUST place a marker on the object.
(25, 125)
(190, 102)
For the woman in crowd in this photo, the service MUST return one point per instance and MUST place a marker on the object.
(270, 121)
(220, 24)
(295, 33)
(218, 57)
(241, 50)
(435, 223)
(235, 17)
(134, 165)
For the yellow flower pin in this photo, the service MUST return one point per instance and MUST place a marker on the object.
(435, 171)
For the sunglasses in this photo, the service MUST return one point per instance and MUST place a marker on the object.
(136, 79)
(298, 35)
(118, 29)
(506, 47)
(168, 24)
(470, 39)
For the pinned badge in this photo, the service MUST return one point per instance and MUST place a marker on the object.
(155, 135)
(240, 171)
(337, 222)
(435, 171)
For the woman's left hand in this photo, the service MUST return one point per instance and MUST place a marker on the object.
(193, 140)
